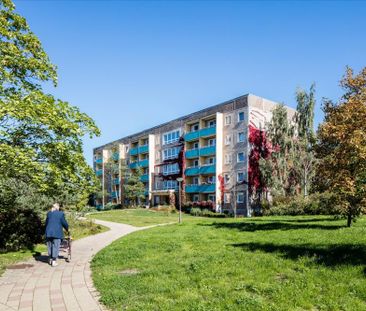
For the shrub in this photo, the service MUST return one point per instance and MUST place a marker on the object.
(314, 204)
(195, 211)
(164, 208)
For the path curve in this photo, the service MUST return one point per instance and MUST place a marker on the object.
(66, 287)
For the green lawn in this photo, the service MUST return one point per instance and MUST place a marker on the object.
(79, 229)
(139, 217)
(269, 263)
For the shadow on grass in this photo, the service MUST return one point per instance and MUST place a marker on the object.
(328, 255)
(295, 220)
(272, 225)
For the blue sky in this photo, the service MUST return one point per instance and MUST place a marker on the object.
(133, 65)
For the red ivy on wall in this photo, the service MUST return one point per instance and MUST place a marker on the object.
(222, 187)
(260, 148)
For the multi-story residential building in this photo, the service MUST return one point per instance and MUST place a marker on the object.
(208, 148)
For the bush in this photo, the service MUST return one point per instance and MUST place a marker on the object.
(314, 204)
(195, 211)
(164, 208)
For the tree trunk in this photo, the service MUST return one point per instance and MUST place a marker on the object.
(349, 220)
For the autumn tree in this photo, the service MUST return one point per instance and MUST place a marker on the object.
(40, 136)
(341, 146)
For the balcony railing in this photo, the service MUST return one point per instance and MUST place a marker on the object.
(115, 156)
(99, 160)
(116, 181)
(142, 163)
(205, 132)
(144, 178)
(193, 153)
(99, 172)
(208, 169)
(144, 149)
(205, 188)
(114, 194)
(192, 171)
(208, 150)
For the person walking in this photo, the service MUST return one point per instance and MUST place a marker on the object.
(55, 221)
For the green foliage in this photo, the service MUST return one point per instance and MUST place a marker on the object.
(196, 211)
(134, 187)
(40, 136)
(313, 204)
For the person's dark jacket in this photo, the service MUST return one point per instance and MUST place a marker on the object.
(54, 223)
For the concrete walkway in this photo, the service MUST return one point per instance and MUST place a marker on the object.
(39, 287)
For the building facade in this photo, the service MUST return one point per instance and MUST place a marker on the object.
(209, 149)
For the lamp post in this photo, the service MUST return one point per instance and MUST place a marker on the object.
(179, 180)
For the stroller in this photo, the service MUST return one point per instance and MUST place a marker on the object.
(65, 246)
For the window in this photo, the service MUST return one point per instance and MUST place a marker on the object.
(227, 120)
(241, 137)
(196, 197)
(170, 184)
(240, 177)
(226, 197)
(212, 142)
(211, 161)
(240, 197)
(211, 123)
(127, 148)
(157, 155)
(226, 178)
(228, 158)
(211, 197)
(240, 116)
(240, 157)
(146, 170)
(171, 137)
(196, 181)
(170, 169)
(196, 145)
(171, 153)
(195, 127)
(211, 179)
(196, 163)
(227, 140)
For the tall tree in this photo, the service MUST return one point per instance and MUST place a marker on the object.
(134, 188)
(341, 146)
(40, 136)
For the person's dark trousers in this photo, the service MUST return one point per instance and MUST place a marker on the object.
(53, 246)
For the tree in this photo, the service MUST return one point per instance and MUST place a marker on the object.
(40, 136)
(341, 146)
(134, 188)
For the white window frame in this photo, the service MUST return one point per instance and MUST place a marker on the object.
(196, 197)
(212, 197)
(171, 137)
(228, 120)
(170, 169)
(196, 179)
(227, 197)
(237, 177)
(228, 158)
(239, 194)
(211, 123)
(238, 137)
(211, 179)
(226, 178)
(237, 157)
(196, 144)
(171, 153)
(198, 163)
(212, 142)
(239, 113)
(228, 138)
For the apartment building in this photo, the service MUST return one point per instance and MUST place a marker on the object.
(209, 149)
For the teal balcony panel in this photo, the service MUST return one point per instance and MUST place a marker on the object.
(134, 151)
(114, 194)
(144, 178)
(192, 188)
(144, 163)
(193, 153)
(208, 131)
(192, 136)
(144, 149)
(99, 172)
(209, 188)
(192, 171)
(208, 169)
(134, 164)
(115, 156)
(116, 181)
(99, 160)
(208, 151)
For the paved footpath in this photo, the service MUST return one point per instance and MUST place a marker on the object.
(39, 287)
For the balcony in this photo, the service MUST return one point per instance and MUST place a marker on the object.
(99, 160)
(142, 163)
(192, 171)
(143, 149)
(144, 178)
(205, 132)
(99, 172)
(134, 151)
(208, 169)
(116, 181)
(115, 156)
(207, 188)
(208, 151)
(114, 194)
(208, 131)
(193, 153)
(192, 188)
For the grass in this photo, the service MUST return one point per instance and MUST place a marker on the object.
(269, 263)
(79, 229)
(139, 217)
